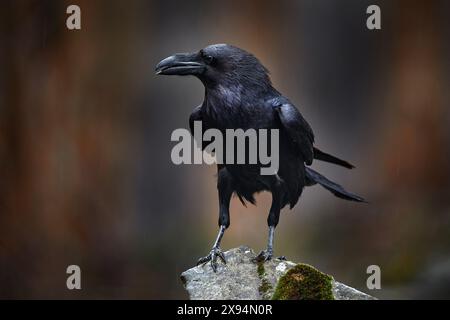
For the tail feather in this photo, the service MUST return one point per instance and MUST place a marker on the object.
(315, 177)
(320, 155)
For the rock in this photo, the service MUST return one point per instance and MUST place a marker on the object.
(243, 279)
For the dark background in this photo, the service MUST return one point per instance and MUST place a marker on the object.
(85, 170)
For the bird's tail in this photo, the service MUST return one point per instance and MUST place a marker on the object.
(323, 156)
(314, 177)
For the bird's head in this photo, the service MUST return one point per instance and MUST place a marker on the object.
(219, 64)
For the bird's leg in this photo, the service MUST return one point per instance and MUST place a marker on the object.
(266, 255)
(225, 191)
(272, 221)
(215, 252)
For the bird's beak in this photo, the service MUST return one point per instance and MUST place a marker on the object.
(180, 64)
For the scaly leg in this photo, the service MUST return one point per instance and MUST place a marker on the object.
(272, 221)
(224, 185)
(215, 252)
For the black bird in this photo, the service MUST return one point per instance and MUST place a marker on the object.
(239, 94)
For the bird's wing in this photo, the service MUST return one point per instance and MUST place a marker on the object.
(297, 129)
(196, 115)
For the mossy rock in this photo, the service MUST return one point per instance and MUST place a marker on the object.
(304, 282)
(243, 279)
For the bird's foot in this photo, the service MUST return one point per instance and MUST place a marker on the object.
(212, 256)
(264, 256)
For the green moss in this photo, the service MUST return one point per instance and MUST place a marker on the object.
(304, 282)
(265, 285)
(261, 270)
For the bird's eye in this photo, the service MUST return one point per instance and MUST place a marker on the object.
(208, 59)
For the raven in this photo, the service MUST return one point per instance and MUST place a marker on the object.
(240, 95)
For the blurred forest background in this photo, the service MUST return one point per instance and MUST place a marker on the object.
(85, 170)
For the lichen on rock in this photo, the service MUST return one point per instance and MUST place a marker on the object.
(304, 282)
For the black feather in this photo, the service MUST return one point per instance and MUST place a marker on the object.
(320, 155)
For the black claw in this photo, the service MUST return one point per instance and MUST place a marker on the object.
(263, 256)
(212, 256)
(222, 257)
(203, 260)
